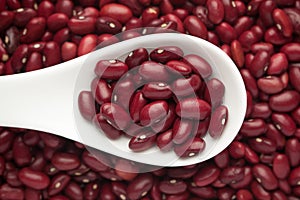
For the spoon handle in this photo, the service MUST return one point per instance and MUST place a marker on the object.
(41, 100)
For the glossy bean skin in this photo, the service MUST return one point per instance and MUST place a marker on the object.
(164, 140)
(186, 86)
(140, 186)
(199, 65)
(136, 57)
(34, 179)
(110, 69)
(153, 112)
(142, 141)
(265, 176)
(179, 66)
(195, 26)
(86, 105)
(192, 107)
(281, 166)
(182, 129)
(285, 101)
(172, 186)
(152, 71)
(165, 54)
(284, 123)
(190, 148)
(206, 175)
(219, 119)
(137, 103)
(157, 90)
(101, 91)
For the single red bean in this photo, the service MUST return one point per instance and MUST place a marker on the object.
(7, 18)
(87, 44)
(167, 122)
(137, 103)
(294, 74)
(281, 166)
(291, 148)
(136, 58)
(242, 24)
(231, 174)
(122, 92)
(153, 112)
(258, 191)
(226, 49)
(251, 155)
(278, 64)
(219, 119)
(206, 175)
(157, 90)
(51, 53)
(262, 145)
(82, 25)
(193, 108)
(236, 150)
(133, 23)
(201, 12)
(222, 159)
(142, 141)
(225, 193)
(226, 32)
(109, 25)
(51, 140)
(181, 13)
(57, 21)
(101, 90)
(179, 67)
(263, 46)
(34, 30)
(111, 69)
(6, 140)
(103, 125)
(285, 101)
(202, 127)
(96, 162)
(294, 16)
(86, 105)
(247, 39)
(283, 22)
(64, 6)
(34, 179)
(115, 115)
(291, 50)
(250, 82)
(198, 64)
(186, 86)
(23, 16)
(58, 183)
(190, 148)
(261, 110)
(34, 62)
(244, 194)
(253, 127)
(215, 11)
(62, 36)
(172, 186)
(195, 26)
(294, 178)
(231, 12)
(245, 181)
(265, 12)
(284, 123)
(65, 161)
(11, 177)
(91, 191)
(21, 152)
(116, 11)
(270, 84)
(182, 130)
(11, 193)
(73, 191)
(106, 192)
(274, 36)
(237, 53)
(259, 64)
(140, 186)
(19, 57)
(149, 14)
(265, 176)
(166, 53)
(164, 140)
(166, 7)
(206, 192)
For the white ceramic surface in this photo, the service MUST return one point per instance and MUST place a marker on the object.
(46, 99)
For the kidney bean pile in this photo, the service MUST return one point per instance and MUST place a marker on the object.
(150, 102)
(262, 38)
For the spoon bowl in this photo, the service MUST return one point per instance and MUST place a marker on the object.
(47, 99)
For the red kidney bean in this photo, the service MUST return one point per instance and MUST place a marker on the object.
(136, 57)
(279, 195)
(190, 148)
(201, 12)
(181, 13)
(101, 90)
(236, 150)
(50, 140)
(198, 64)
(285, 101)
(283, 22)
(167, 122)
(231, 174)
(261, 110)
(58, 183)
(264, 46)
(126, 169)
(237, 53)
(206, 175)
(247, 39)
(133, 23)
(244, 194)
(157, 90)
(19, 57)
(259, 64)
(294, 16)
(149, 14)
(222, 159)
(51, 53)
(64, 6)
(153, 112)
(34, 62)
(245, 181)
(284, 186)
(182, 130)
(86, 105)
(195, 26)
(219, 118)
(291, 148)
(152, 71)
(137, 103)
(6, 140)
(34, 179)
(109, 25)
(34, 30)
(7, 19)
(251, 155)
(57, 21)
(11, 177)
(186, 86)
(242, 24)
(281, 166)
(215, 11)
(225, 193)
(270, 84)
(259, 192)
(21, 152)
(202, 127)
(119, 189)
(116, 11)
(294, 74)
(82, 25)
(11, 193)
(142, 141)
(226, 49)
(91, 191)
(206, 192)
(231, 12)
(226, 32)
(179, 67)
(275, 135)
(165, 7)
(96, 162)
(284, 123)
(23, 16)
(213, 38)
(172, 186)
(294, 178)
(73, 191)
(274, 36)
(265, 12)
(65, 161)
(87, 44)
(111, 69)
(164, 140)
(265, 176)
(166, 53)
(214, 92)
(182, 173)
(62, 36)
(291, 50)
(250, 82)
(122, 91)
(262, 145)
(140, 186)
(106, 192)
(278, 64)
(193, 108)
(253, 127)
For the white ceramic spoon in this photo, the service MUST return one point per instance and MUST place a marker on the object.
(47, 99)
